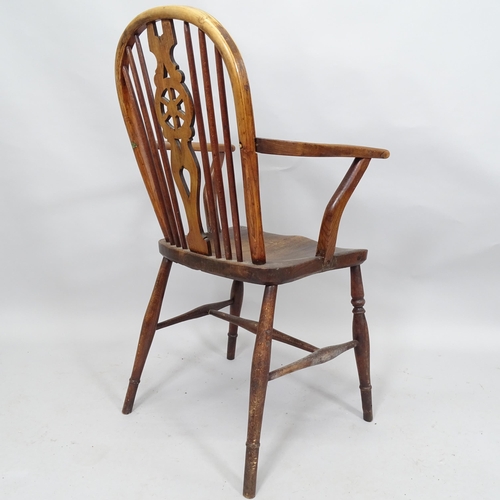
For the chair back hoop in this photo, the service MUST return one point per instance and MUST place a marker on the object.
(181, 118)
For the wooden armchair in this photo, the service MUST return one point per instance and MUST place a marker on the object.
(188, 112)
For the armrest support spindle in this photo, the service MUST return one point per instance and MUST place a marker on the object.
(333, 212)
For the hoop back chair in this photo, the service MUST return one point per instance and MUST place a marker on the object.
(188, 111)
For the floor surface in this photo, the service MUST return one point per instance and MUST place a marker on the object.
(435, 434)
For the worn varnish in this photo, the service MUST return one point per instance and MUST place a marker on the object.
(185, 98)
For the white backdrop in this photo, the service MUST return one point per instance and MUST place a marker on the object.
(419, 78)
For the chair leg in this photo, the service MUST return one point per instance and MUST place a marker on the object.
(148, 331)
(362, 350)
(258, 386)
(235, 310)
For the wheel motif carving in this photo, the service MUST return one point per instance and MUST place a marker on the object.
(172, 108)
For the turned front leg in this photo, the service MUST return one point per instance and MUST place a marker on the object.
(360, 334)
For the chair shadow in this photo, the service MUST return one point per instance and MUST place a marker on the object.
(277, 450)
(284, 435)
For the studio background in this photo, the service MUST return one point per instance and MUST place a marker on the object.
(79, 258)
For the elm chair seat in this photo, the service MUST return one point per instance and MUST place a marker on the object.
(289, 258)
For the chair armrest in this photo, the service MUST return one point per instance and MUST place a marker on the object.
(331, 218)
(292, 148)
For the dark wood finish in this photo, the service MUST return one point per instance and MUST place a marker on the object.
(290, 258)
(228, 148)
(199, 89)
(318, 357)
(209, 197)
(327, 240)
(235, 310)
(148, 330)
(360, 335)
(259, 378)
(253, 326)
(197, 312)
(291, 148)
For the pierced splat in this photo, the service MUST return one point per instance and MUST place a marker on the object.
(175, 111)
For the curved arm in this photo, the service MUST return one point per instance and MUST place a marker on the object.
(292, 148)
(333, 212)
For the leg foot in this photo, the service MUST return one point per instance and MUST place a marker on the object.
(251, 461)
(128, 404)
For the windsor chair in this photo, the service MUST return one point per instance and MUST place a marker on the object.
(193, 137)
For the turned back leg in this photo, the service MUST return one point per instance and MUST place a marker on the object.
(147, 333)
(235, 310)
